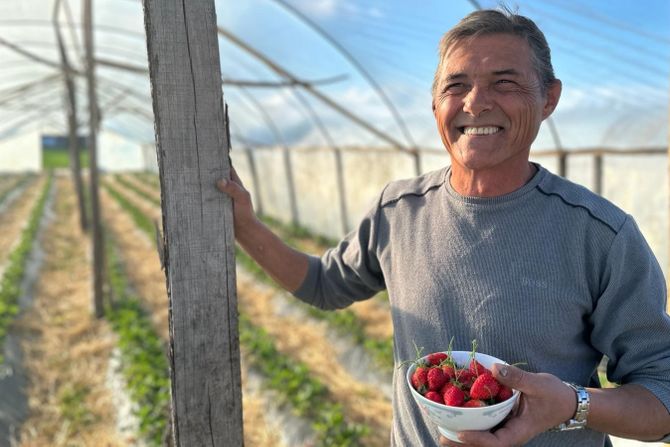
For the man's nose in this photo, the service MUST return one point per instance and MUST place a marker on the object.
(477, 101)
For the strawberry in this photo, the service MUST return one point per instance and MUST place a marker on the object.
(504, 393)
(436, 358)
(474, 403)
(446, 386)
(485, 387)
(454, 397)
(420, 379)
(477, 368)
(435, 397)
(436, 379)
(465, 378)
(449, 370)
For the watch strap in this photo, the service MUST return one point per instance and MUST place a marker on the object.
(578, 421)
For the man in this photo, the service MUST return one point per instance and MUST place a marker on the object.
(498, 249)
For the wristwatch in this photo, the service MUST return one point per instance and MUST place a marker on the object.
(578, 421)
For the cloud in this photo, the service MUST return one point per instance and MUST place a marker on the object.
(318, 8)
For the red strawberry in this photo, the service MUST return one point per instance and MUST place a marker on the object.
(504, 393)
(434, 396)
(477, 368)
(454, 397)
(449, 371)
(436, 379)
(446, 386)
(474, 403)
(465, 378)
(420, 379)
(485, 387)
(436, 358)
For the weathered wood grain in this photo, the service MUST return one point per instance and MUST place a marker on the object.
(193, 145)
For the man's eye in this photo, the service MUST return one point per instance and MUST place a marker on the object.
(505, 84)
(455, 88)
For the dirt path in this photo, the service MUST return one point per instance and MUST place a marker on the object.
(66, 350)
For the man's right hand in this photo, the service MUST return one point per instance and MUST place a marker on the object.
(243, 210)
(284, 264)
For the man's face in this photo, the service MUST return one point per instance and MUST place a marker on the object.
(489, 103)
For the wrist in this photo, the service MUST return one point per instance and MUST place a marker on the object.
(580, 417)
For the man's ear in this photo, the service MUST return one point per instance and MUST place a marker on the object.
(552, 97)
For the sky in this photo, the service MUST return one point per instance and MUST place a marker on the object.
(613, 58)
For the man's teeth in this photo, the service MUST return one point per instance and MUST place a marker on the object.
(480, 130)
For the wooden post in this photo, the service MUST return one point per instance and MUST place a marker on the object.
(341, 190)
(96, 227)
(193, 152)
(73, 138)
(563, 163)
(598, 173)
(258, 199)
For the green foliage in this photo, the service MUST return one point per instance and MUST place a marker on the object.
(308, 397)
(141, 220)
(60, 158)
(72, 404)
(10, 286)
(137, 190)
(149, 178)
(145, 366)
(344, 321)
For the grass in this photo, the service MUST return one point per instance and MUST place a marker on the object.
(60, 158)
(10, 286)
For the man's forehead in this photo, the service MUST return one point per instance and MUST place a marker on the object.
(493, 54)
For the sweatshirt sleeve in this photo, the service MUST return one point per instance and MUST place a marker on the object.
(630, 322)
(348, 272)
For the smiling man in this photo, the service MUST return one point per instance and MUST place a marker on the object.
(489, 102)
(494, 248)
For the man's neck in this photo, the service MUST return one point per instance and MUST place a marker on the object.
(490, 183)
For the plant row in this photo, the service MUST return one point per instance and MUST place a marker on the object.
(344, 321)
(10, 285)
(145, 366)
(17, 183)
(291, 379)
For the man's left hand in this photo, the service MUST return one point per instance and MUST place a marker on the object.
(545, 402)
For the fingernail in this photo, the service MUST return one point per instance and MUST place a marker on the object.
(503, 370)
(223, 182)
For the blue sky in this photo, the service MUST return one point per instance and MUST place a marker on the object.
(613, 57)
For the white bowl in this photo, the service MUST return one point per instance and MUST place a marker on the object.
(451, 420)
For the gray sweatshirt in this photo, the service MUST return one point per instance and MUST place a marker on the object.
(551, 275)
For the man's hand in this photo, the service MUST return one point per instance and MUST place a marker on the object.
(243, 210)
(285, 265)
(544, 403)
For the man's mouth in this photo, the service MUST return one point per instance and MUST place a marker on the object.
(479, 130)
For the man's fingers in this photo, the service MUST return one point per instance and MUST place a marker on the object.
(514, 432)
(230, 187)
(513, 377)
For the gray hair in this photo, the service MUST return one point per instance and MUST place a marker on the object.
(491, 21)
